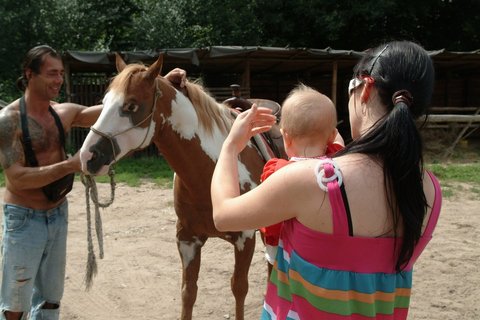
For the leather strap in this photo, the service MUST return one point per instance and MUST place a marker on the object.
(342, 220)
(27, 140)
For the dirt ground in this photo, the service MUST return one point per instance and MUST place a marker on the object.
(140, 275)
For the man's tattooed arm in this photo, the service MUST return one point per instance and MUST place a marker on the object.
(11, 150)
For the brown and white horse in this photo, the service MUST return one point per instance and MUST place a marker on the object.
(139, 107)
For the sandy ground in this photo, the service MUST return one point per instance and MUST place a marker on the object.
(140, 275)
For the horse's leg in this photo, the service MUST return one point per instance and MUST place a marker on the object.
(269, 265)
(190, 248)
(244, 249)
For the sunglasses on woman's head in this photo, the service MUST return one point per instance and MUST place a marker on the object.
(354, 84)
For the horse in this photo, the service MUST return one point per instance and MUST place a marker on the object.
(141, 107)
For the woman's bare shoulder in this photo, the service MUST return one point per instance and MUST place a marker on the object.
(359, 166)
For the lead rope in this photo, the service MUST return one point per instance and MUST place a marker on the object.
(91, 191)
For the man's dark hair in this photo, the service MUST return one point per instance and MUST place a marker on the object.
(33, 61)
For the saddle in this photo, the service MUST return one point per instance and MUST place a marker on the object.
(273, 137)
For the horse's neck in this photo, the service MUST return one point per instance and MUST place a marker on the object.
(192, 150)
(194, 165)
(186, 158)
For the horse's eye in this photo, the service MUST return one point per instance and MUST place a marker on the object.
(130, 108)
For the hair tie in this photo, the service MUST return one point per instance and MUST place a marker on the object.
(402, 96)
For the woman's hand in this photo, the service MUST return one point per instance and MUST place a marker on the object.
(247, 124)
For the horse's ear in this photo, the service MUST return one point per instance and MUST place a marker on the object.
(119, 62)
(155, 69)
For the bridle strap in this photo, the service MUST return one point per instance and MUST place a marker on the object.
(91, 191)
(158, 94)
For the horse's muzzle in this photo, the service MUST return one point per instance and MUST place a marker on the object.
(103, 154)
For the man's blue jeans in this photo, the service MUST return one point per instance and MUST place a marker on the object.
(34, 258)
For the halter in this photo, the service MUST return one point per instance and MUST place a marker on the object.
(109, 137)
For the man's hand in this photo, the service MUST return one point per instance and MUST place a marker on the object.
(75, 162)
(178, 77)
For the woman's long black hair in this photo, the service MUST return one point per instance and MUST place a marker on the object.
(399, 68)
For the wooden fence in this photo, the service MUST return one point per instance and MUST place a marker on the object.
(462, 125)
(88, 89)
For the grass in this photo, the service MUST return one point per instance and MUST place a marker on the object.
(458, 173)
(462, 168)
(468, 173)
(453, 176)
(135, 171)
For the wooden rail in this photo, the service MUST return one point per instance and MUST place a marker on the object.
(453, 118)
(454, 110)
(468, 122)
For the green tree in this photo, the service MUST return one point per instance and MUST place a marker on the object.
(63, 24)
(358, 25)
(110, 25)
(22, 26)
(160, 24)
(106, 25)
(221, 22)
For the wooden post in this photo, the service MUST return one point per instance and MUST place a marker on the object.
(68, 82)
(471, 119)
(246, 79)
(334, 82)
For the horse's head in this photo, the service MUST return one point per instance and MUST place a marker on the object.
(127, 119)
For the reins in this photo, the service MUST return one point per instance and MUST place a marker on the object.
(91, 191)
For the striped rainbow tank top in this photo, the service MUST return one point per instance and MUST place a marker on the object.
(337, 276)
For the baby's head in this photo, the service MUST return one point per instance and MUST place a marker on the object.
(308, 115)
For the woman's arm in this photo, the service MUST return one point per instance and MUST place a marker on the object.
(268, 203)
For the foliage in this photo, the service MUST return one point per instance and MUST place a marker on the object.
(159, 25)
(21, 26)
(220, 22)
(110, 25)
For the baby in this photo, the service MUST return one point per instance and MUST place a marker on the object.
(308, 126)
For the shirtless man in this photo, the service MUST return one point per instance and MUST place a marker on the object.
(35, 208)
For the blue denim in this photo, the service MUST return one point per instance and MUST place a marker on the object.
(34, 258)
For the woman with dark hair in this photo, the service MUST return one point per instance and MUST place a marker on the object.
(353, 225)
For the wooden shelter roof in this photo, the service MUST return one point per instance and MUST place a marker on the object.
(218, 59)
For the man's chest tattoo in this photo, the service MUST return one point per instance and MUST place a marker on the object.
(44, 137)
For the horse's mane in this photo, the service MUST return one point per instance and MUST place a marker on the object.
(209, 111)
(121, 81)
